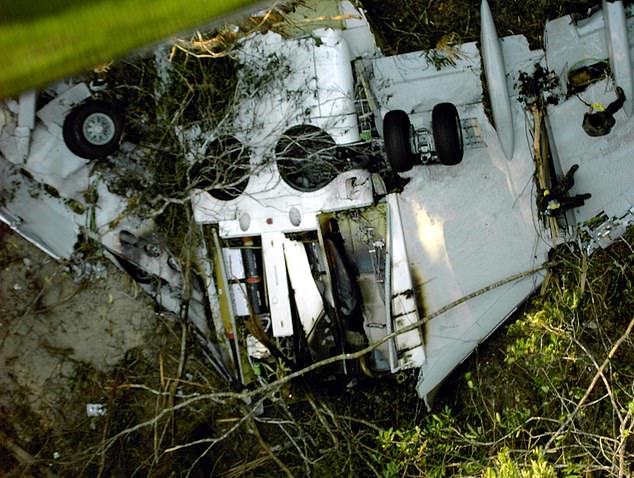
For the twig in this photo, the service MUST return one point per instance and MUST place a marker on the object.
(623, 471)
(16, 450)
(305, 459)
(171, 388)
(270, 388)
(368, 424)
(140, 386)
(321, 418)
(213, 441)
(319, 19)
(601, 375)
(595, 379)
(240, 469)
(268, 450)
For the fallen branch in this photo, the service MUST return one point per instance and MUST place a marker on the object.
(598, 375)
(268, 450)
(19, 453)
(270, 388)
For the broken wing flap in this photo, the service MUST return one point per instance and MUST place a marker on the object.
(358, 239)
(341, 290)
(406, 350)
(260, 324)
(321, 292)
(306, 298)
(298, 322)
(372, 241)
(316, 316)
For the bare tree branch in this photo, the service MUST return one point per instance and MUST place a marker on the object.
(597, 377)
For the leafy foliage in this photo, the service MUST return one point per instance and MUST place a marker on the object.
(412, 25)
(536, 402)
(550, 398)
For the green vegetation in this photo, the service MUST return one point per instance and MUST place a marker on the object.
(548, 395)
(411, 25)
(197, 95)
(551, 395)
(45, 41)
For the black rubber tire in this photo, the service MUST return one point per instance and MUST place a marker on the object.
(445, 125)
(397, 131)
(74, 129)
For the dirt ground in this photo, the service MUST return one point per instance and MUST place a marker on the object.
(53, 330)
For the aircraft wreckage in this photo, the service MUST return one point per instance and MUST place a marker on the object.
(361, 194)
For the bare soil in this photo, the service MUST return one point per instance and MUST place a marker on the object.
(56, 336)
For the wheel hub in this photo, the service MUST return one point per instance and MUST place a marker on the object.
(99, 129)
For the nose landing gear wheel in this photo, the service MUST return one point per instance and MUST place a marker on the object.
(93, 129)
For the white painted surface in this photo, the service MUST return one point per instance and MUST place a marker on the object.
(605, 162)
(25, 125)
(619, 51)
(412, 83)
(22, 136)
(496, 80)
(357, 31)
(51, 162)
(26, 116)
(234, 265)
(404, 309)
(569, 44)
(301, 81)
(239, 300)
(310, 305)
(268, 201)
(518, 58)
(277, 283)
(40, 219)
(55, 111)
(605, 165)
(468, 226)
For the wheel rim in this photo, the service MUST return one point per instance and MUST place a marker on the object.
(99, 129)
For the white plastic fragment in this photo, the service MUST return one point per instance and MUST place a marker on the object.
(257, 349)
(96, 409)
